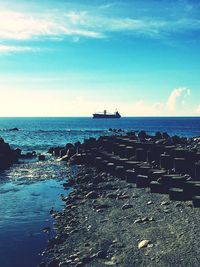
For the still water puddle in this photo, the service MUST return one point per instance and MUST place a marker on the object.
(27, 193)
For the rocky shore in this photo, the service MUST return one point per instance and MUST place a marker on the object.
(133, 203)
(9, 156)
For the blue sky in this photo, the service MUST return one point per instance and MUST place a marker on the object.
(72, 58)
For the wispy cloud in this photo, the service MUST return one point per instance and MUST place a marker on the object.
(7, 49)
(96, 24)
(25, 26)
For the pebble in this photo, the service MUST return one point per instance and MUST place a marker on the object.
(127, 206)
(144, 243)
(134, 196)
(178, 205)
(123, 197)
(46, 229)
(102, 254)
(111, 195)
(164, 203)
(92, 194)
(138, 221)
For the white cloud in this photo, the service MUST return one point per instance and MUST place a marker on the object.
(65, 103)
(198, 109)
(175, 96)
(94, 24)
(6, 49)
(25, 26)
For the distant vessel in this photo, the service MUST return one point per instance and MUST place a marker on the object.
(106, 115)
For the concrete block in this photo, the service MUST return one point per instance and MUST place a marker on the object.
(142, 181)
(166, 161)
(177, 194)
(129, 151)
(130, 176)
(141, 154)
(120, 172)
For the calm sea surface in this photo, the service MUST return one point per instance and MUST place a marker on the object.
(30, 189)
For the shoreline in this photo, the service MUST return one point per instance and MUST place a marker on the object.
(103, 224)
(111, 219)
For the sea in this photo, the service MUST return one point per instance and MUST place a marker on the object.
(29, 190)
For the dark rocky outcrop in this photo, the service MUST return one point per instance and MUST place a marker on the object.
(13, 129)
(8, 156)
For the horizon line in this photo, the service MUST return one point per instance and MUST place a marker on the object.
(127, 116)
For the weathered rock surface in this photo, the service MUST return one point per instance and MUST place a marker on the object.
(8, 156)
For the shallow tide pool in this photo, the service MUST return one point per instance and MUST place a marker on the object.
(27, 193)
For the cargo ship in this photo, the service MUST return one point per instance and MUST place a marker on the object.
(106, 115)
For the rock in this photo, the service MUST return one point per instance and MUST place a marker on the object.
(41, 157)
(18, 152)
(165, 135)
(110, 263)
(102, 254)
(144, 243)
(46, 229)
(144, 220)
(138, 221)
(142, 135)
(158, 135)
(134, 195)
(127, 206)
(92, 195)
(79, 264)
(13, 129)
(8, 156)
(164, 203)
(103, 206)
(123, 197)
(111, 195)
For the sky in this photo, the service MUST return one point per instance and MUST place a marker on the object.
(74, 58)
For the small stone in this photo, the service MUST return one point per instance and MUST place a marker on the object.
(92, 194)
(102, 254)
(111, 195)
(109, 263)
(164, 203)
(145, 219)
(178, 205)
(138, 221)
(166, 211)
(144, 243)
(123, 197)
(103, 206)
(127, 206)
(151, 219)
(99, 210)
(46, 229)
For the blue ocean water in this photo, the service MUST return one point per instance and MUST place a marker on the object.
(30, 189)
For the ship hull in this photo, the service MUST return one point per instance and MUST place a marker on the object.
(107, 116)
